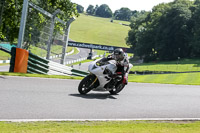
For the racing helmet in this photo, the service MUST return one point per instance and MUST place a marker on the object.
(119, 54)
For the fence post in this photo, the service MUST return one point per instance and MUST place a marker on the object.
(51, 33)
(65, 44)
(22, 24)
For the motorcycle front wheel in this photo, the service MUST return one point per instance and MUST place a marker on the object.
(85, 85)
(119, 87)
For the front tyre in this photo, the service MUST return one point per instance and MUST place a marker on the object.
(84, 86)
(119, 87)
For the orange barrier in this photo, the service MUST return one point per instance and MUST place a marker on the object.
(21, 60)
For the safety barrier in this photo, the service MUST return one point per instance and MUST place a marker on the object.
(6, 47)
(39, 65)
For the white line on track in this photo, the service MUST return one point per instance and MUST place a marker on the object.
(142, 119)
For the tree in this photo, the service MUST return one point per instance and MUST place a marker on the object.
(80, 8)
(173, 35)
(11, 16)
(9, 24)
(195, 41)
(104, 11)
(95, 9)
(90, 10)
(123, 14)
(164, 33)
(137, 34)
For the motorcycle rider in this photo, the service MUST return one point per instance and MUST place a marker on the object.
(123, 65)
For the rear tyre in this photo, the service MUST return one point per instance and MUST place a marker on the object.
(84, 86)
(119, 87)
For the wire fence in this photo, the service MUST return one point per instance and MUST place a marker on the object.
(41, 30)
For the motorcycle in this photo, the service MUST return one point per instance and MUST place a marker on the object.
(102, 77)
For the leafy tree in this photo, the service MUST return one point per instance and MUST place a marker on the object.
(195, 42)
(173, 33)
(95, 9)
(80, 8)
(136, 34)
(11, 16)
(164, 33)
(134, 13)
(90, 10)
(123, 14)
(9, 24)
(104, 11)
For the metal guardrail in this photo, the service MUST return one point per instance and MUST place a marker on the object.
(6, 47)
(39, 65)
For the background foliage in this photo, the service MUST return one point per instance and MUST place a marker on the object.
(10, 11)
(170, 31)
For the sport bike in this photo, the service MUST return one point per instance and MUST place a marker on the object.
(102, 77)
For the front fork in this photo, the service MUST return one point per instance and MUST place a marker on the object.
(91, 85)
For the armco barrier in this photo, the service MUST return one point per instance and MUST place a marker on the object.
(39, 65)
(6, 47)
(75, 71)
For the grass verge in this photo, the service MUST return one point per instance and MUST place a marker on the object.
(39, 75)
(76, 51)
(183, 65)
(4, 55)
(181, 79)
(102, 127)
(38, 51)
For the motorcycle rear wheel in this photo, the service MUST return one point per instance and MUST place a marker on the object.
(119, 87)
(84, 86)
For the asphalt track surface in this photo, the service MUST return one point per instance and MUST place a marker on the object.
(39, 98)
(82, 53)
(4, 68)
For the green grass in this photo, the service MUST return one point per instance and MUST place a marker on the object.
(89, 29)
(4, 55)
(4, 64)
(101, 127)
(38, 51)
(97, 30)
(75, 51)
(183, 78)
(55, 49)
(39, 75)
(184, 65)
(121, 22)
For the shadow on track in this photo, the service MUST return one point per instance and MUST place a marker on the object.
(94, 96)
(2, 77)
